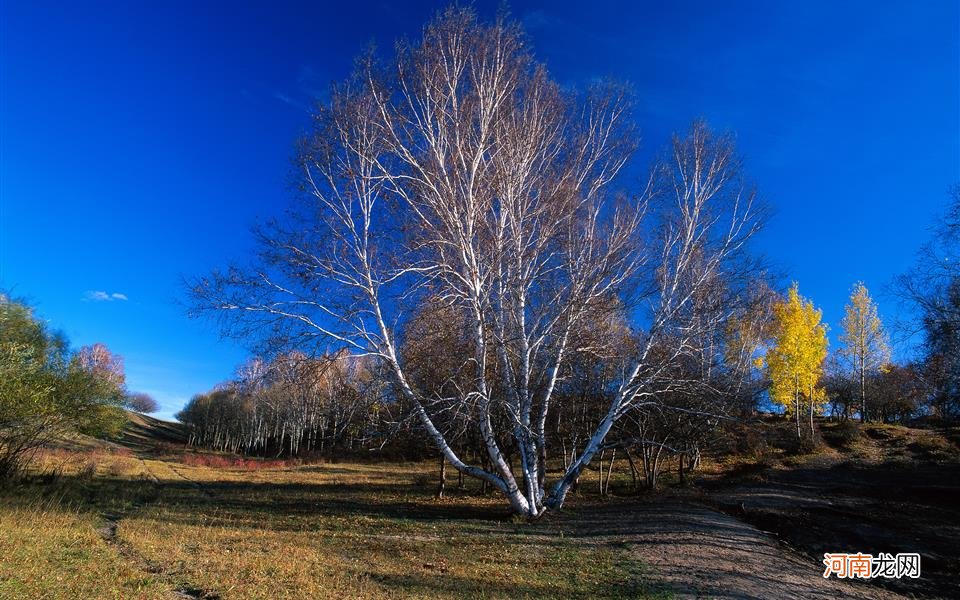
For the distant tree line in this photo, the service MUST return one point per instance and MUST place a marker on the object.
(771, 347)
(291, 405)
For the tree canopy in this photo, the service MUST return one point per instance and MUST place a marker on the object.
(795, 359)
(865, 345)
(46, 389)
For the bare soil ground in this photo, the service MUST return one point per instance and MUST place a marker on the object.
(892, 490)
(698, 552)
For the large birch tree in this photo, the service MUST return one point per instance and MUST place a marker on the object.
(457, 172)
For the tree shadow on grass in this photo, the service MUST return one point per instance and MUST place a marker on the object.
(419, 585)
(266, 504)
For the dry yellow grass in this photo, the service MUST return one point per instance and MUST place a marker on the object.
(321, 531)
(53, 552)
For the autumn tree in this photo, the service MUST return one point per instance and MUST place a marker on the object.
(290, 405)
(840, 388)
(899, 392)
(747, 333)
(142, 402)
(932, 289)
(457, 169)
(795, 359)
(941, 328)
(46, 390)
(99, 360)
(865, 343)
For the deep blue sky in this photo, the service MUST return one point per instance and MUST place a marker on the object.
(140, 141)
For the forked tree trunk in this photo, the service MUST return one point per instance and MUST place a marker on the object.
(482, 253)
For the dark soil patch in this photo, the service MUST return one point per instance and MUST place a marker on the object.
(901, 506)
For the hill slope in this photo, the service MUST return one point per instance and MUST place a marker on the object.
(144, 433)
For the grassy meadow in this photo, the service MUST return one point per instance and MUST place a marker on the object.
(95, 523)
(149, 518)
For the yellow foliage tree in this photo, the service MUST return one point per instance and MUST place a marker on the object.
(795, 359)
(865, 344)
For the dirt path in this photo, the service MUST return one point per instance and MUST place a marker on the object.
(847, 506)
(698, 552)
(108, 531)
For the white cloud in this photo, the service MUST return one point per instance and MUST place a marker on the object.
(284, 98)
(101, 296)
